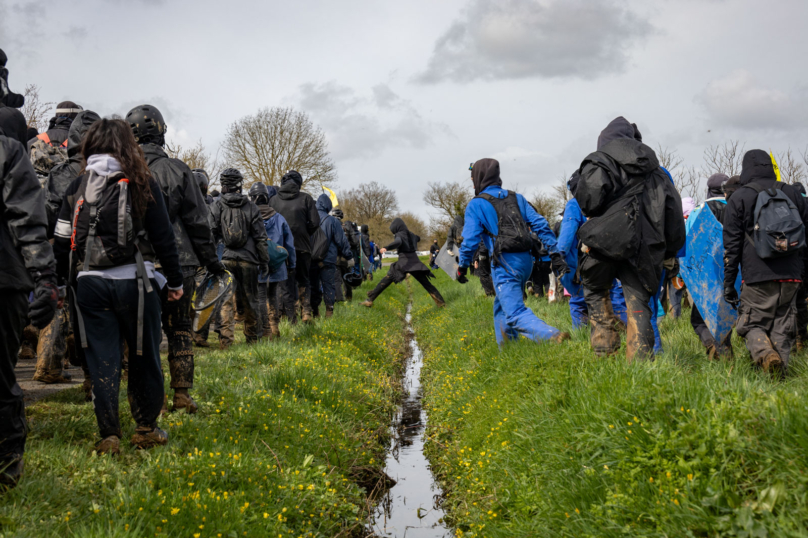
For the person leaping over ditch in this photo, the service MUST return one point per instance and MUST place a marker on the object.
(503, 220)
(408, 263)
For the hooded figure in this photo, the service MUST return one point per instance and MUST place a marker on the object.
(484, 174)
(323, 274)
(627, 171)
(8, 97)
(767, 302)
(59, 127)
(406, 243)
(300, 212)
(455, 237)
(65, 172)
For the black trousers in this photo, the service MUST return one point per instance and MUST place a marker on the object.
(287, 297)
(422, 278)
(303, 278)
(109, 309)
(268, 305)
(322, 285)
(245, 277)
(767, 318)
(177, 320)
(339, 279)
(484, 273)
(541, 278)
(598, 278)
(13, 428)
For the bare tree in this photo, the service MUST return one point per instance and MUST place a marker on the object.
(369, 202)
(726, 159)
(438, 229)
(35, 110)
(549, 206)
(669, 158)
(560, 190)
(791, 170)
(687, 179)
(198, 157)
(450, 198)
(266, 145)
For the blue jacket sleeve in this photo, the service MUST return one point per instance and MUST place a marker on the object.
(340, 240)
(472, 233)
(539, 225)
(289, 243)
(573, 218)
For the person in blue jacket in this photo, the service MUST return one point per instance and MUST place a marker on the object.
(322, 274)
(268, 285)
(511, 270)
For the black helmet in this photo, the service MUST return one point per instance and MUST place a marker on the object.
(337, 213)
(352, 279)
(231, 179)
(147, 124)
(257, 191)
(201, 179)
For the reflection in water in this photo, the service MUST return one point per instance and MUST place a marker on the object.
(411, 507)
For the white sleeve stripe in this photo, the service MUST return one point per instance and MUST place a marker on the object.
(63, 229)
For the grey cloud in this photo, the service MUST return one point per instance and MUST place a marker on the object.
(511, 39)
(359, 126)
(740, 100)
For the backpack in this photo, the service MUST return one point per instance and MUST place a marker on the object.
(514, 234)
(234, 226)
(779, 230)
(319, 245)
(616, 234)
(44, 155)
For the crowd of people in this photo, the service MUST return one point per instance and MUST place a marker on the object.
(105, 238)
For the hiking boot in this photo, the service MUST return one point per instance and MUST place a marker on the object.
(200, 342)
(438, 300)
(329, 312)
(183, 400)
(772, 363)
(10, 472)
(223, 345)
(367, 303)
(109, 445)
(145, 437)
(306, 318)
(560, 337)
(51, 378)
(27, 352)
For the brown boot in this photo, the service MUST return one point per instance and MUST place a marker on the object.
(329, 312)
(183, 400)
(560, 337)
(772, 363)
(367, 303)
(109, 445)
(145, 437)
(199, 341)
(438, 300)
(51, 378)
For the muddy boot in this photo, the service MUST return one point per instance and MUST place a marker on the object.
(438, 299)
(560, 337)
(224, 345)
(604, 338)
(305, 305)
(109, 445)
(10, 472)
(183, 400)
(772, 363)
(329, 311)
(199, 341)
(30, 338)
(51, 378)
(146, 437)
(712, 352)
(367, 303)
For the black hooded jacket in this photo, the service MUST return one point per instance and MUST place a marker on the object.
(485, 173)
(24, 247)
(58, 130)
(63, 174)
(186, 207)
(622, 161)
(456, 232)
(366, 240)
(739, 221)
(255, 249)
(406, 243)
(299, 210)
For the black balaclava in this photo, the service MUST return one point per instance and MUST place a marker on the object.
(619, 128)
(12, 124)
(484, 174)
(732, 185)
(32, 133)
(757, 164)
(292, 175)
(397, 226)
(715, 185)
(66, 110)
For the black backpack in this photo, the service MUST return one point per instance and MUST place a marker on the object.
(319, 245)
(514, 234)
(234, 226)
(779, 230)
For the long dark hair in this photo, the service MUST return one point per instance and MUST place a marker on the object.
(114, 137)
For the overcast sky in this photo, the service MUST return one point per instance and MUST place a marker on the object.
(411, 92)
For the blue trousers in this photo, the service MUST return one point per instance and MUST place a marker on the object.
(511, 317)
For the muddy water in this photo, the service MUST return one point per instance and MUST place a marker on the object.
(410, 508)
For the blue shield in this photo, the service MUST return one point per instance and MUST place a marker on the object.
(702, 269)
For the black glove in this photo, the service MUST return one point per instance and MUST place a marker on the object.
(263, 269)
(731, 296)
(461, 274)
(46, 295)
(216, 268)
(558, 264)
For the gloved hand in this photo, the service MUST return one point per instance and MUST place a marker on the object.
(351, 263)
(263, 270)
(731, 296)
(558, 264)
(216, 268)
(461, 274)
(46, 295)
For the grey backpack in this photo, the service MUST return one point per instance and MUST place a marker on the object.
(779, 230)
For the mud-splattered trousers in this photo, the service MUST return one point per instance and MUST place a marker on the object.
(512, 318)
(598, 277)
(268, 305)
(55, 343)
(767, 318)
(110, 312)
(13, 428)
(177, 324)
(245, 277)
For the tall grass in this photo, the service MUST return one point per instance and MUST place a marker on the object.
(548, 440)
(285, 434)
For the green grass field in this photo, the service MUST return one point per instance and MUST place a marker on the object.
(285, 435)
(547, 440)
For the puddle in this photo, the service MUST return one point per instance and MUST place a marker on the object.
(410, 508)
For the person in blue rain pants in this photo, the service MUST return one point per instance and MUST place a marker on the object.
(503, 220)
